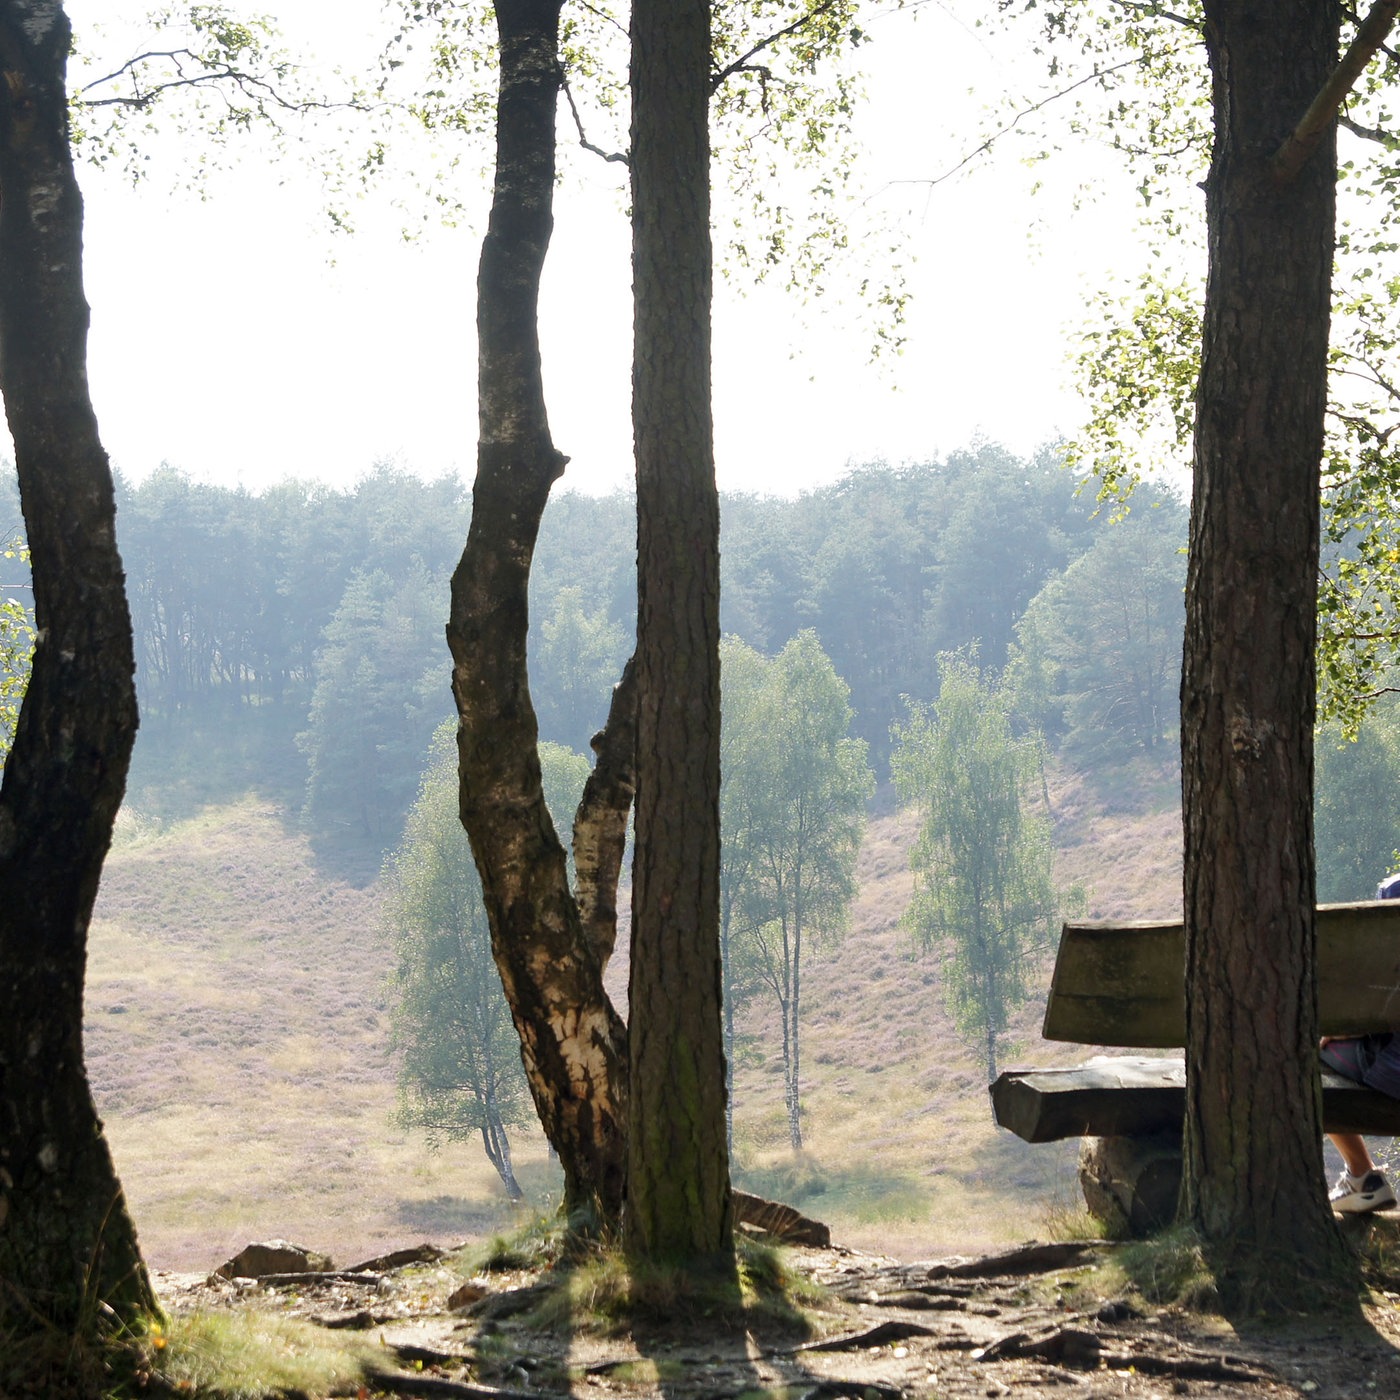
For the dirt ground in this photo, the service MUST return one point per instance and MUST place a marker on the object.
(1031, 1322)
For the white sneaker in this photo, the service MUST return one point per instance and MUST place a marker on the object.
(1353, 1197)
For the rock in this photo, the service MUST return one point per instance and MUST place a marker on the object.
(1131, 1184)
(465, 1296)
(398, 1259)
(779, 1221)
(272, 1257)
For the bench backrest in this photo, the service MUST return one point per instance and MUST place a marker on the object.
(1123, 983)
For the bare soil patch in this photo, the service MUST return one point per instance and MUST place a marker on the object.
(1026, 1322)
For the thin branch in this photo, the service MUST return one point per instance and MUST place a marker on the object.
(1372, 374)
(1349, 13)
(253, 87)
(606, 18)
(1144, 7)
(985, 146)
(583, 140)
(256, 89)
(1290, 158)
(1368, 133)
(740, 64)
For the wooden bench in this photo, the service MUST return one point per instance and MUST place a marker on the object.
(1122, 985)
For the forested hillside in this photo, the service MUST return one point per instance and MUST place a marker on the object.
(292, 670)
(303, 625)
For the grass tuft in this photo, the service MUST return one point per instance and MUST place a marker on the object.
(254, 1355)
(601, 1292)
(1170, 1268)
(1068, 1220)
(539, 1244)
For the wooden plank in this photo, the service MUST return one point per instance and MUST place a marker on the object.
(1135, 1095)
(1121, 983)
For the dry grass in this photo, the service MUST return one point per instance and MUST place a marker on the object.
(238, 1049)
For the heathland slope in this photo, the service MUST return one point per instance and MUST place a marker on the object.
(239, 1049)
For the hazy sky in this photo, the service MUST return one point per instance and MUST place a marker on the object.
(234, 338)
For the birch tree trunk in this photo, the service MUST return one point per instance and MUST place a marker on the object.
(573, 1043)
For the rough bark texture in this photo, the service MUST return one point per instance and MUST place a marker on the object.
(678, 1171)
(600, 828)
(572, 1041)
(1254, 1180)
(67, 1244)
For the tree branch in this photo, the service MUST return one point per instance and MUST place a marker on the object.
(583, 140)
(1290, 158)
(1367, 133)
(256, 88)
(1025, 112)
(740, 64)
(1153, 11)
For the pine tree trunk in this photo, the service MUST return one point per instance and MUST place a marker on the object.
(678, 1170)
(573, 1043)
(1254, 1180)
(727, 997)
(67, 1244)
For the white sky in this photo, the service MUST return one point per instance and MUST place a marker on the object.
(236, 340)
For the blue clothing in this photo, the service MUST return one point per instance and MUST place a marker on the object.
(1372, 1060)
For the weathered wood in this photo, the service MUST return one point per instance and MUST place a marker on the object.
(1134, 1095)
(1123, 983)
(1131, 1184)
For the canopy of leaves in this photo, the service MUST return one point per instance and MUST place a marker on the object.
(792, 813)
(1136, 76)
(459, 1057)
(16, 641)
(984, 897)
(1099, 659)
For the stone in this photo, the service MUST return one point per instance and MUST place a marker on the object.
(272, 1257)
(780, 1222)
(465, 1296)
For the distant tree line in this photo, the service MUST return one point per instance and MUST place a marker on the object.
(317, 614)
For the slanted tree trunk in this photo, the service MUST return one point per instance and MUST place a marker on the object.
(1254, 1180)
(572, 1041)
(678, 1169)
(67, 1244)
(497, 1145)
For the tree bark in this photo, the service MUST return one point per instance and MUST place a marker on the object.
(600, 828)
(1254, 1180)
(67, 1244)
(678, 1169)
(572, 1041)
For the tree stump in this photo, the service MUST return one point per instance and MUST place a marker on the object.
(1131, 1184)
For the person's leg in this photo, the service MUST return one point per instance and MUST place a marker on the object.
(1362, 1188)
(1354, 1152)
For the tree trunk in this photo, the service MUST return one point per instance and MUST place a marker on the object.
(678, 1170)
(795, 1077)
(67, 1244)
(727, 999)
(497, 1145)
(572, 1041)
(1254, 1179)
